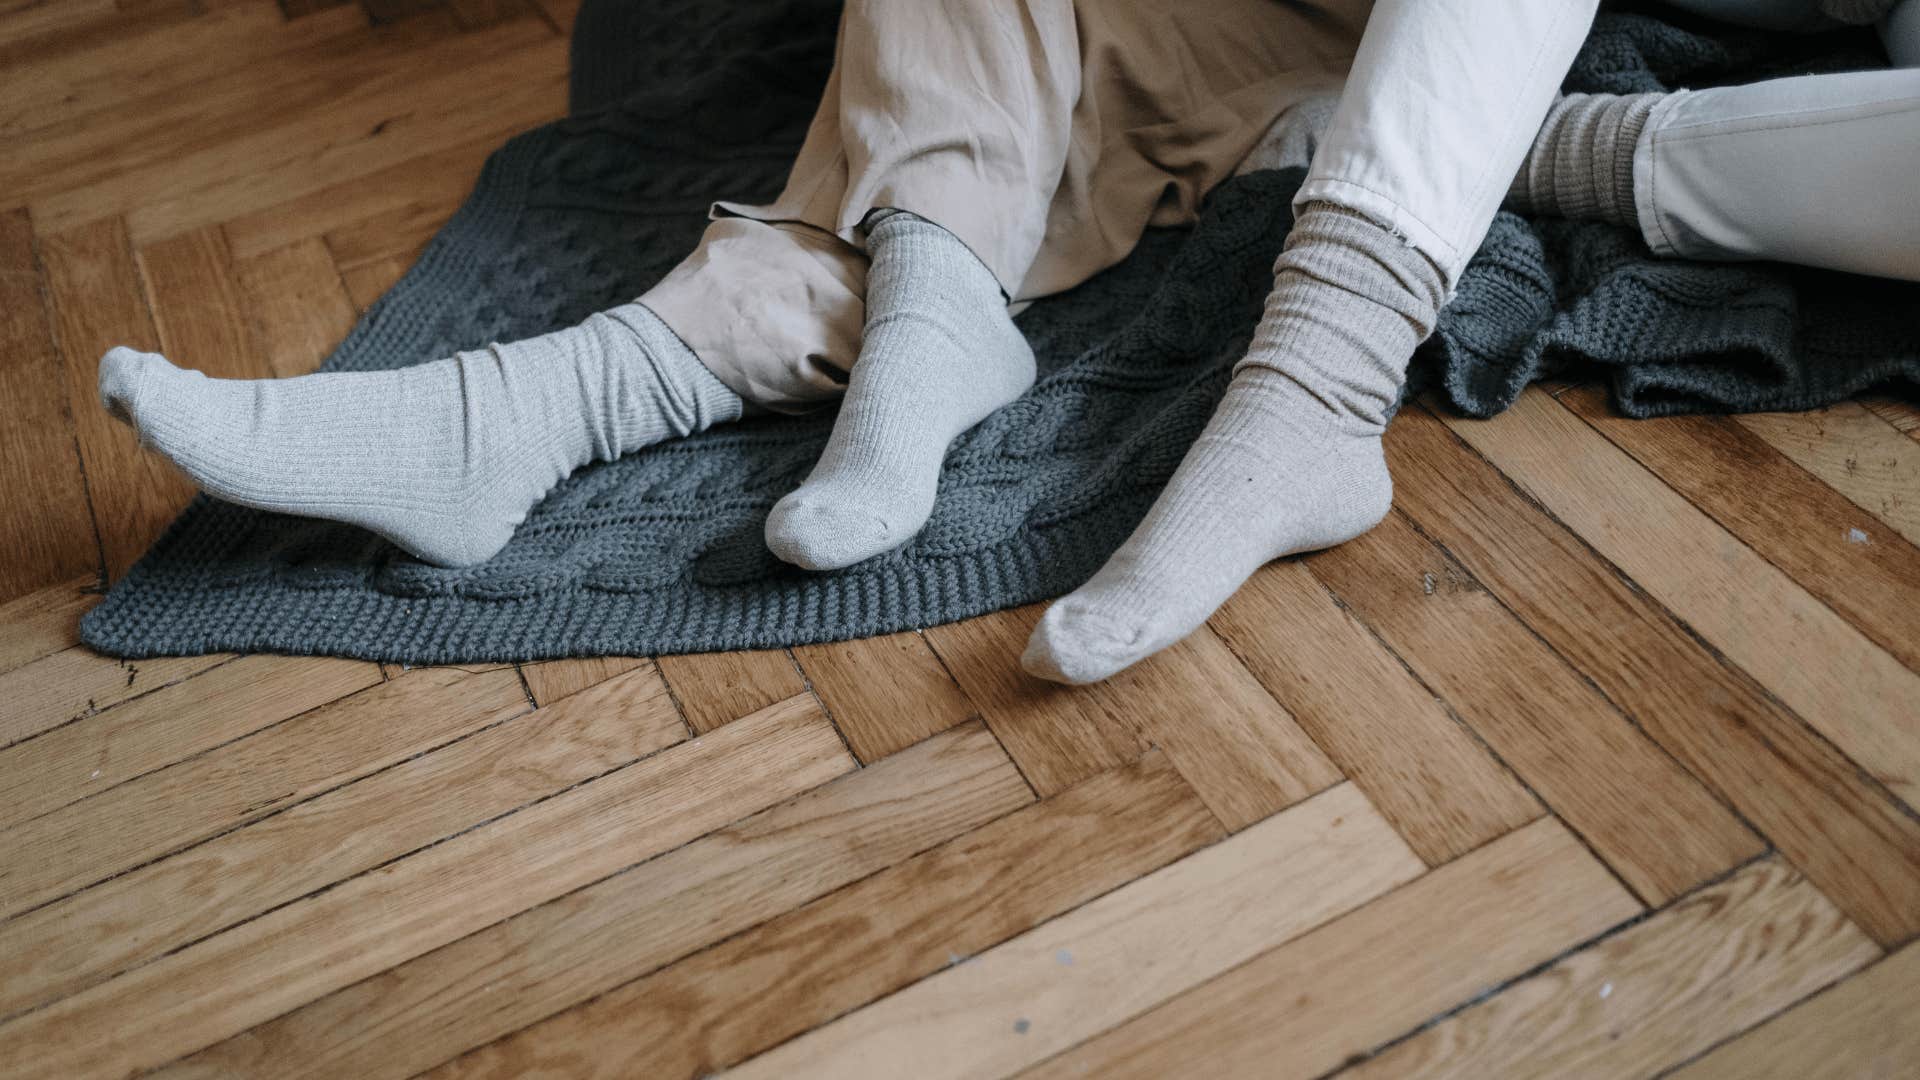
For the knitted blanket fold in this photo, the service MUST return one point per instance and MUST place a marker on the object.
(677, 102)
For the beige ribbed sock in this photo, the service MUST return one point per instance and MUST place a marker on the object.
(940, 354)
(1290, 462)
(444, 458)
(1581, 164)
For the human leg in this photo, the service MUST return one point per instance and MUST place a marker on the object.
(443, 458)
(1434, 121)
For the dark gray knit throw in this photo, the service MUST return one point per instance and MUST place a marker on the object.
(677, 102)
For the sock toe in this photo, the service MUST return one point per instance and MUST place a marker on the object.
(1074, 645)
(815, 533)
(123, 379)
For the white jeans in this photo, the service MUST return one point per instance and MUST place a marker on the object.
(1445, 96)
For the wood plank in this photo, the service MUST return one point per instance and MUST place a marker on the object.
(1902, 413)
(368, 127)
(43, 623)
(1243, 753)
(1836, 679)
(1423, 770)
(105, 60)
(884, 693)
(1335, 993)
(1643, 814)
(1862, 1029)
(199, 308)
(76, 683)
(479, 14)
(1652, 995)
(432, 179)
(298, 305)
(718, 688)
(152, 124)
(254, 776)
(401, 230)
(36, 23)
(1836, 826)
(207, 992)
(1861, 454)
(47, 535)
(150, 732)
(552, 680)
(1057, 737)
(99, 302)
(1114, 957)
(871, 938)
(543, 960)
(1862, 569)
(164, 905)
(370, 281)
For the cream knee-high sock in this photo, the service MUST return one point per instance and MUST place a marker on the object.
(1581, 163)
(444, 458)
(939, 355)
(1290, 462)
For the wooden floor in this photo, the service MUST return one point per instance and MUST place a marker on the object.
(1598, 758)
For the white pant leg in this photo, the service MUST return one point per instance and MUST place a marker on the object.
(1443, 101)
(1822, 170)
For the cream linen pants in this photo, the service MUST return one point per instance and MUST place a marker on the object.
(1049, 134)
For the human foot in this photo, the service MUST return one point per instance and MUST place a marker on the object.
(445, 458)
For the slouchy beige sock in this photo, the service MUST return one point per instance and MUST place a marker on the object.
(444, 458)
(940, 354)
(1290, 462)
(1581, 164)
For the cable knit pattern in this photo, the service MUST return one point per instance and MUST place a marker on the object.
(661, 551)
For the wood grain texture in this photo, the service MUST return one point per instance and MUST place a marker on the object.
(99, 302)
(1114, 957)
(1862, 1029)
(298, 308)
(1856, 695)
(1421, 768)
(94, 753)
(43, 622)
(170, 808)
(202, 994)
(1838, 827)
(546, 959)
(871, 938)
(77, 682)
(1650, 820)
(1862, 569)
(1335, 993)
(1653, 995)
(884, 693)
(1858, 451)
(552, 680)
(45, 533)
(159, 907)
(1242, 752)
(718, 688)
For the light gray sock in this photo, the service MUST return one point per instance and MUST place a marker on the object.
(444, 458)
(1290, 462)
(1581, 164)
(940, 354)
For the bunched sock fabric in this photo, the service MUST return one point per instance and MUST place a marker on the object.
(939, 355)
(1581, 163)
(1291, 460)
(444, 458)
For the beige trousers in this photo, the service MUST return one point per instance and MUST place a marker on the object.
(1046, 134)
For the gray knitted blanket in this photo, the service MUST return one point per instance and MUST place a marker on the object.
(676, 102)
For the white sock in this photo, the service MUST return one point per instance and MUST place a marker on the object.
(445, 458)
(1290, 462)
(1581, 163)
(939, 355)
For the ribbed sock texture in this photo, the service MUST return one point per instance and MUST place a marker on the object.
(444, 458)
(1581, 164)
(1291, 460)
(939, 355)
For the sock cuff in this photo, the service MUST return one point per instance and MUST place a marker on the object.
(1358, 257)
(1581, 162)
